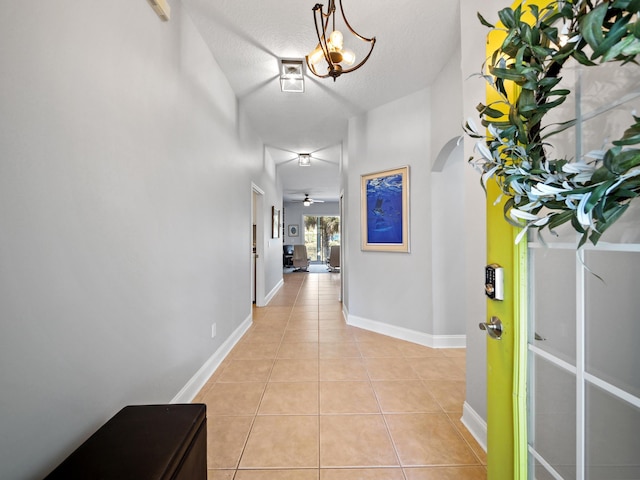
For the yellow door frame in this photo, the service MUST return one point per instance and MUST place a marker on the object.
(507, 357)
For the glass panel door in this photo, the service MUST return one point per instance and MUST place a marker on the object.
(584, 320)
(320, 233)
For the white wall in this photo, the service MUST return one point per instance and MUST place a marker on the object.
(272, 254)
(346, 218)
(121, 149)
(427, 283)
(392, 288)
(473, 41)
(447, 200)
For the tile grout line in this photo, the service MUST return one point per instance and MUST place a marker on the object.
(384, 418)
(319, 419)
(266, 385)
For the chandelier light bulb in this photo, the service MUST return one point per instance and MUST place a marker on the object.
(316, 56)
(336, 41)
(348, 57)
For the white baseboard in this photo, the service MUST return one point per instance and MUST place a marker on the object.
(195, 384)
(475, 424)
(273, 292)
(421, 338)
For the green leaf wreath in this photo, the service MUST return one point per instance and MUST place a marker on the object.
(591, 192)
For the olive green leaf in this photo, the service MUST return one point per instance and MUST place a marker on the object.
(543, 192)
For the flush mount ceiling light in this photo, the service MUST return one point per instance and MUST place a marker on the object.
(330, 49)
(291, 79)
(304, 160)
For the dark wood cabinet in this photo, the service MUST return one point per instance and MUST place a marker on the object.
(143, 442)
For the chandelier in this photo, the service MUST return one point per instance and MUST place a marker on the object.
(330, 49)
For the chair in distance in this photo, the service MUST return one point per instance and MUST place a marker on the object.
(334, 258)
(300, 259)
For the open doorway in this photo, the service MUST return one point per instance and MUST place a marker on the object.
(320, 234)
(257, 246)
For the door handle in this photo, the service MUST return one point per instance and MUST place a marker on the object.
(493, 328)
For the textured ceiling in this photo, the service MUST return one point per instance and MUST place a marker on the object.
(414, 39)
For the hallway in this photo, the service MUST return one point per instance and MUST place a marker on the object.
(303, 396)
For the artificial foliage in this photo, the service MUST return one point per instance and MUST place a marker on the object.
(590, 193)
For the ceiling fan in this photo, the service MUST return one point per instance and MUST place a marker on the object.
(308, 200)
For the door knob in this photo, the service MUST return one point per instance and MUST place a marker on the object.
(493, 328)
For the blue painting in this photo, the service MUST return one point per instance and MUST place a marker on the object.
(385, 197)
(384, 209)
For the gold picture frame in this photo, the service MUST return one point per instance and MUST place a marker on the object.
(384, 217)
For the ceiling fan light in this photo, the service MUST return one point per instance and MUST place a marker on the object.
(306, 203)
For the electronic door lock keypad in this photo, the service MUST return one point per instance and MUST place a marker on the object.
(494, 281)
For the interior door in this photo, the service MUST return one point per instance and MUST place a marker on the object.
(571, 318)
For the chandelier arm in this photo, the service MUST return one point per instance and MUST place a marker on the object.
(322, 41)
(318, 14)
(364, 60)
(331, 13)
(325, 16)
(344, 17)
(331, 16)
(313, 70)
(320, 76)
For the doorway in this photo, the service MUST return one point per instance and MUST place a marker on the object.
(257, 246)
(321, 232)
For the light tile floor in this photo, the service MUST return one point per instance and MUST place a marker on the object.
(303, 396)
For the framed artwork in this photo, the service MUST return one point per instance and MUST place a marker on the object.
(384, 217)
(275, 222)
(294, 230)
